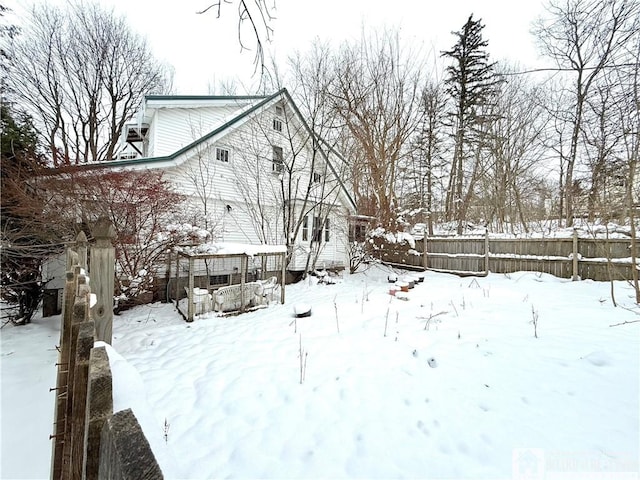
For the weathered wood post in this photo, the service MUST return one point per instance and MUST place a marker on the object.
(574, 258)
(99, 408)
(103, 259)
(81, 249)
(486, 251)
(177, 279)
(425, 251)
(79, 409)
(80, 314)
(62, 384)
(190, 305)
(283, 261)
(244, 260)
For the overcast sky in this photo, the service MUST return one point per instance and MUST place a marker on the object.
(204, 49)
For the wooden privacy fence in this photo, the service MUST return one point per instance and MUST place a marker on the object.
(573, 257)
(584, 258)
(89, 441)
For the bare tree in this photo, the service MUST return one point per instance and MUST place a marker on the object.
(584, 37)
(376, 93)
(257, 16)
(424, 169)
(628, 117)
(82, 73)
(511, 190)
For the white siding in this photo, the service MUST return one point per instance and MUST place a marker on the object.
(178, 127)
(244, 196)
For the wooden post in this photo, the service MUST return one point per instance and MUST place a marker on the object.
(190, 294)
(574, 277)
(80, 382)
(283, 261)
(425, 261)
(62, 384)
(177, 279)
(80, 314)
(103, 259)
(81, 249)
(99, 408)
(486, 251)
(244, 260)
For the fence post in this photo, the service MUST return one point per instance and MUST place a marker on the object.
(425, 251)
(99, 408)
(62, 383)
(80, 378)
(79, 315)
(102, 278)
(190, 306)
(81, 249)
(574, 257)
(486, 251)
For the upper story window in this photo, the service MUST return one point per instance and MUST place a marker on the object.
(277, 163)
(222, 155)
(280, 110)
(317, 177)
(277, 124)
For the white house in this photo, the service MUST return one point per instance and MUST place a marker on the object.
(253, 170)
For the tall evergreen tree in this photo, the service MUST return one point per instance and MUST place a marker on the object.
(23, 244)
(471, 82)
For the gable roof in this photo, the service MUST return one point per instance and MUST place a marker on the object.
(258, 103)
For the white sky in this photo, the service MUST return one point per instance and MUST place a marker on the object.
(204, 50)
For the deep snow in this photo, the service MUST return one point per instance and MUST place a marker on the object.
(458, 388)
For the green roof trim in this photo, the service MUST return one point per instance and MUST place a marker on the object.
(173, 156)
(205, 97)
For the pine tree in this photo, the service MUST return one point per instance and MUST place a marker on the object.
(471, 82)
(22, 233)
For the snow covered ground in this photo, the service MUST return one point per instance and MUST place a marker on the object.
(458, 387)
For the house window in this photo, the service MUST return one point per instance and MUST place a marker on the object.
(317, 229)
(277, 164)
(279, 110)
(326, 229)
(357, 233)
(277, 124)
(215, 280)
(317, 177)
(305, 228)
(222, 155)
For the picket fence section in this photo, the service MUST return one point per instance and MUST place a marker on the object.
(89, 440)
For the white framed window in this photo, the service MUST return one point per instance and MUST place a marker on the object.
(317, 177)
(279, 110)
(277, 162)
(317, 229)
(326, 229)
(305, 228)
(222, 155)
(277, 125)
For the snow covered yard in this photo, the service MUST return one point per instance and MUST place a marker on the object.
(458, 388)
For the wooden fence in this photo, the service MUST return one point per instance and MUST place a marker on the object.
(89, 441)
(574, 257)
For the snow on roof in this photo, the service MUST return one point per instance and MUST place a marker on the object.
(231, 249)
